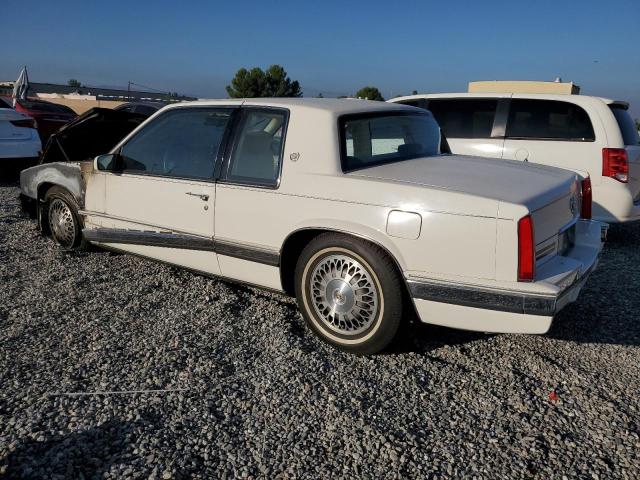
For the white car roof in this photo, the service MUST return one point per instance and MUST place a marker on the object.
(334, 105)
(540, 96)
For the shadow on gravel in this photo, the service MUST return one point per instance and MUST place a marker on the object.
(419, 337)
(9, 177)
(83, 454)
(607, 310)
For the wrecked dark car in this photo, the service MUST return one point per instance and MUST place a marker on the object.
(94, 132)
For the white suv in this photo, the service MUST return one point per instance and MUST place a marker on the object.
(575, 132)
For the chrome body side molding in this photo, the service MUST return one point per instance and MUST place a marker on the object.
(183, 241)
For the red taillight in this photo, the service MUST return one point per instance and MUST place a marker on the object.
(526, 250)
(25, 123)
(615, 164)
(587, 199)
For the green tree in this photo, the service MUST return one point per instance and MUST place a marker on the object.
(74, 83)
(273, 82)
(370, 93)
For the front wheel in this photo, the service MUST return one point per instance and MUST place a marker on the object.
(62, 219)
(349, 292)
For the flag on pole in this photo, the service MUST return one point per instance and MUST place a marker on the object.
(21, 86)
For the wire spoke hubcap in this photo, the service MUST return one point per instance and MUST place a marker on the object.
(343, 294)
(61, 222)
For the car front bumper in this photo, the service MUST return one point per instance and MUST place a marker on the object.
(512, 310)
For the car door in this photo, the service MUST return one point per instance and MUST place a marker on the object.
(160, 202)
(247, 199)
(469, 125)
(552, 132)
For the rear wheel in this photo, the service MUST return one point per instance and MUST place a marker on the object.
(349, 292)
(62, 219)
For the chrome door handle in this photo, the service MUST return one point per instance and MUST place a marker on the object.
(203, 196)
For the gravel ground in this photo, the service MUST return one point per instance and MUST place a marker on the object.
(211, 380)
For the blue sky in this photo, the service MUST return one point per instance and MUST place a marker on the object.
(333, 47)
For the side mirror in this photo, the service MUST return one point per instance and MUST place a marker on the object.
(108, 162)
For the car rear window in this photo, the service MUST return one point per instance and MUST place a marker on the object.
(548, 120)
(465, 118)
(45, 107)
(146, 110)
(627, 125)
(4, 104)
(368, 140)
(418, 102)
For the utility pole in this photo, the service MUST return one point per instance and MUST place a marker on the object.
(129, 90)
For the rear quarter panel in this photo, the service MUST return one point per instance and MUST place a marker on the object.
(448, 244)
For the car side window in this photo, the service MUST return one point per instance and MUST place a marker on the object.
(257, 154)
(182, 143)
(465, 118)
(548, 120)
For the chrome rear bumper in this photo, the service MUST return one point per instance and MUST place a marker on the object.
(500, 300)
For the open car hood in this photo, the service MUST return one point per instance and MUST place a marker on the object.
(93, 133)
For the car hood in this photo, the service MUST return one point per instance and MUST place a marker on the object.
(521, 183)
(93, 133)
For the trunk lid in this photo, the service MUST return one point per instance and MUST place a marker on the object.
(551, 195)
(9, 131)
(528, 184)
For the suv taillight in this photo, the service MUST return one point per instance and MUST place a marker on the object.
(526, 250)
(615, 164)
(587, 199)
(25, 123)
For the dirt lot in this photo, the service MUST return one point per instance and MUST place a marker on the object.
(116, 367)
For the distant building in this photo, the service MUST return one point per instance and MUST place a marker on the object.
(47, 89)
(6, 89)
(519, 86)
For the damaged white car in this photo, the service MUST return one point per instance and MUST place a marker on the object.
(348, 205)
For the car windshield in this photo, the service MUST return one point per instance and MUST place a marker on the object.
(45, 107)
(368, 140)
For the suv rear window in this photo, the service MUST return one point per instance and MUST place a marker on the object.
(626, 124)
(4, 103)
(465, 118)
(548, 120)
